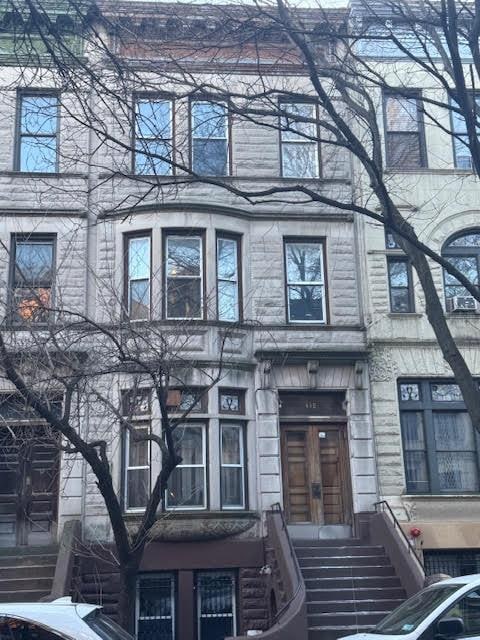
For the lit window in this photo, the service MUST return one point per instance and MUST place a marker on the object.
(305, 284)
(153, 137)
(209, 138)
(38, 124)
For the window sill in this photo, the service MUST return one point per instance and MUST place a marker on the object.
(441, 496)
(462, 314)
(429, 171)
(35, 174)
(406, 314)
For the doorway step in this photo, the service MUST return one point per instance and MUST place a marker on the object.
(26, 573)
(350, 584)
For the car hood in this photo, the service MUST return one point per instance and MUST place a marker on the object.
(374, 636)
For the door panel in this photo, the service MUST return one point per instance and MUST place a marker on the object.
(330, 465)
(295, 446)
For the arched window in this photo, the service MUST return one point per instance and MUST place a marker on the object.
(463, 251)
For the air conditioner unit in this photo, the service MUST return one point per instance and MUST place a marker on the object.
(462, 303)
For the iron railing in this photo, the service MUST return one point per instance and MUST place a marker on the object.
(383, 506)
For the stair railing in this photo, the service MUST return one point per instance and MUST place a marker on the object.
(383, 507)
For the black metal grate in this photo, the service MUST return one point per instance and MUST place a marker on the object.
(453, 562)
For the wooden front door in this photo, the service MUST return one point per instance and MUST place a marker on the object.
(29, 469)
(316, 475)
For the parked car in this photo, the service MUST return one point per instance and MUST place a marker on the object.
(61, 619)
(447, 609)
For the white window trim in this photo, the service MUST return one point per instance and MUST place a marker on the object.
(241, 465)
(193, 466)
(226, 137)
(137, 423)
(129, 279)
(216, 615)
(235, 280)
(200, 276)
(164, 139)
(299, 283)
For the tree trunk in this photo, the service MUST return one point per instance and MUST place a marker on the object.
(127, 596)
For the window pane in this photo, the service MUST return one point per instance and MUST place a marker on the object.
(403, 150)
(138, 451)
(453, 431)
(412, 430)
(457, 471)
(299, 160)
(139, 258)
(463, 156)
(467, 240)
(184, 256)
(228, 301)
(298, 130)
(32, 305)
(184, 298)
(153, 119)
(232, 487)
(138, 488)
(189, 444)
(139, 300)
(38, 155)
(305, 303)
(210, 157)
(186, 487)
(400, 300)
(401, 113)
(155, 608)
(416, 472)
(231, 445)
(209, 120)
(446, 393)
(304, 262)
(215, 605)
(153, 157)
(398, 273)
(467, 265)
(33, 262)
(39, 114)
(227, 259)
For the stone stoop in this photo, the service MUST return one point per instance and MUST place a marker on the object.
(26, 573)
(350, 586)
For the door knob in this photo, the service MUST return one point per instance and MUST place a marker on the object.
(316, 490)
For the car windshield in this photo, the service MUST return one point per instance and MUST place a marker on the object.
(413, 611)
(106, 628)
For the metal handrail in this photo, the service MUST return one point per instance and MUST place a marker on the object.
(396, 525)
(277, 508)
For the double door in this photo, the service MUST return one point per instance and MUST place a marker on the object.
(29, 470)
(316, 475)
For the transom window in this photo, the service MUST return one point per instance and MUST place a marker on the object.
(404, 137)
(153, 136)
(184, 277)
(305, 282)
(209, 133)
(299, 140)
(463, 252)
(37, 133)
(440, 446)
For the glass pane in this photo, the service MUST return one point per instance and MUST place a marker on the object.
(139, 299)
(467, 265)
(468, 240)
(304, 262)
(416, 472)
(184, 299)
(184, 256)
(401, 113)
(446, 393)
(210, 157)
(463, 156)
(39, 114)
(457, 471)
(412, 430)
(153, 158)
(186, 487)
(138, 488)
(468, 609)
(38, 155)
(305, 303)
(228, 301)
(139, 258)
(299, 160)
(33, 262)
(398, 273)
(230, 402)
(216, 593)
(231, 444)
(209, 120)
(409, 392)
(390, 241)
(189, 444)
(297, 129)
(155, 597)
(138, 454)
(400, 300)
(232, 487)
(403, 150)
(453, 431)
(153, 119)
(227, 259)
(32, 305)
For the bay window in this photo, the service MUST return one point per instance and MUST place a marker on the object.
(187, 484)
(228, 282)
(184, 276)
(138, 294)
(232, 463)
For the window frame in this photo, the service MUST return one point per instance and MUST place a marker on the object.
(325, 304)
(407, 95)
(457, 135)
(173, 598)
(154, 97)
(127, 237)
(198, 609)
(228, 132)
(395, 258)
(184, 233)
(427, 407)
(237, 239)
(281, 142)
(241, 426)
(205, 462)
(19, 135)
(14, 239)
(460, 252)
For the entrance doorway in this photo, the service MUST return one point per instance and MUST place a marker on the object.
(29, 470)
(316, 474)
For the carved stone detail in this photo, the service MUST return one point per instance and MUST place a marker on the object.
(382, 366)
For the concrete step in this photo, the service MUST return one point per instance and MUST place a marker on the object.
(345, 618)
(360, 593)
(338, 582)
(24, 584)
(335, 542)
(334, 632)
(346, 571)
(322, 551)
(23, 596)
(341, 561)
(29, 571)
(332, 606)
(10, 560)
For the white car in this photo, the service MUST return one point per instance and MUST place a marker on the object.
(446, 610)
(61, 619)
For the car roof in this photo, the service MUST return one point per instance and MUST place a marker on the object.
(466, 580)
